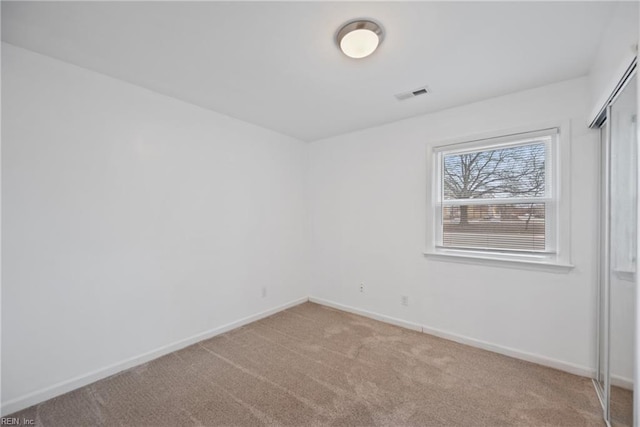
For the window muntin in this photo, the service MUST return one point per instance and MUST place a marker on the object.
(497, 195)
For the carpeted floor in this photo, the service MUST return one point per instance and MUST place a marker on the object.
(621, 407)
(311, 365)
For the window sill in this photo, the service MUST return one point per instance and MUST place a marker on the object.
(499, 260)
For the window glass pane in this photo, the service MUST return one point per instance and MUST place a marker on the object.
(499, 173)
(497, 226)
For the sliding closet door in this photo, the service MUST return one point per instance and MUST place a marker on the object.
(603, 291)
(622, 252)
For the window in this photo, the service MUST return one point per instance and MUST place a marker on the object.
(498, 198)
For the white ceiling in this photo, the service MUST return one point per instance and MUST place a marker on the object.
(275, 64)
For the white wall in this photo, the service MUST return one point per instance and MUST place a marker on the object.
(369, 219)
(615, 53)
(132, 221)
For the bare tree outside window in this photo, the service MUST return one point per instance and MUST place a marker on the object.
(513, 173)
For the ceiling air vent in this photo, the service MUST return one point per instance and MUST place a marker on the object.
(412, 94)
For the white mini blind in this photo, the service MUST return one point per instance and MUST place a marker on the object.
(498, 197)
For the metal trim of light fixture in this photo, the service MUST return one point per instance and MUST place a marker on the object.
(359, 24)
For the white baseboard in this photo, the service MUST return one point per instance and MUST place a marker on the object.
(39, 396)
(571, 368)
(561, 365)
(621, 382)
(369, 314)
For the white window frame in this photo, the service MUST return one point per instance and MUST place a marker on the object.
(556, 256)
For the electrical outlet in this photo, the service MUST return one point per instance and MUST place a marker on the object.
(361, 287)
(404, 300)
(264, 292)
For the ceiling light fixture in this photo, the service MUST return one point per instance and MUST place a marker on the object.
(360, 38)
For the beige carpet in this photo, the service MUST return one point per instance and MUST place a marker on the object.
(621, 407)
(311, 365)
